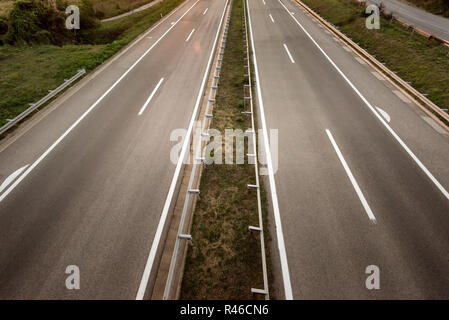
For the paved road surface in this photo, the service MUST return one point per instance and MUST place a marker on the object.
(435, 25)
(329, 235)
(95, 200)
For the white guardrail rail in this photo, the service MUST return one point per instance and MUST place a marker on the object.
(33, 106)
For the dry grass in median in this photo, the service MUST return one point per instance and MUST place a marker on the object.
(225, 260)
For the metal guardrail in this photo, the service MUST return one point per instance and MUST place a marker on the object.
(33, 106)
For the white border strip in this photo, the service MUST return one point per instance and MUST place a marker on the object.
(393, 133)
(185, 146)
(274, 198)
(44, 155)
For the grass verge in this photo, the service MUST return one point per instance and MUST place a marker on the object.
(28, 72)
(423, 62)
(225, 260)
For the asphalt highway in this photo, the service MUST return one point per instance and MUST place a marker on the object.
(360, 173)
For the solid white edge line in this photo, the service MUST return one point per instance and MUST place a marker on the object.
(151, 96)
(271, 17)
(274, 198)
(351, 178)
(393, 133)
(42, 157)
(160, 227)
(288, 52)
(205, 11)
(191, 32)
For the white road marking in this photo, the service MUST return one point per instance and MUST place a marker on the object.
(401, 96)
(360, 60)
(346, 48)
(263, 2)
(351, 178)
(378, 76)
(42, 157)
(157, 237)
(11, 178)
(274, 198)
(205, 11)
(190, 34)
(392, 132)
(271, 17)
(288, 52)
(151, 96)
(384, 114)
(149, 37)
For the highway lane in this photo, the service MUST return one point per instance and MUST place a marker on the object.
(435, 25)
(95, 199)
(324, 178)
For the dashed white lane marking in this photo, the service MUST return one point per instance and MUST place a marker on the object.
(360, 60)
(347, 49)
(434, 125)
(378, 75)
(93, 106)
(205, 11)
(351, 178)
(151, 96)
(288, 52)
(190, 34)
(384, 114)
(271, 17)
(401, 96)
(11, 178)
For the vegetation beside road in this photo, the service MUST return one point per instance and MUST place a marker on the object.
(225, 259)
(28, 71)
(421, 61)
(103, 8)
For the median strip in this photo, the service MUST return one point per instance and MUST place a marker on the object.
(225, 260)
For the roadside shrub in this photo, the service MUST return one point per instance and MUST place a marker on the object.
(39, 22)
